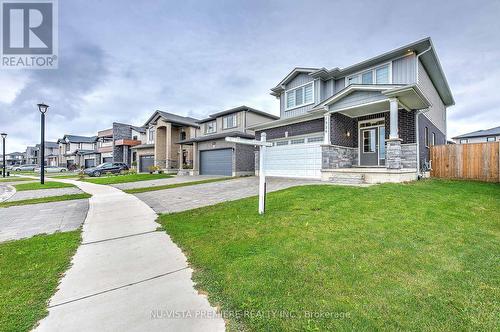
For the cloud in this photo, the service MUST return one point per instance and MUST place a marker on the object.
(122, 62)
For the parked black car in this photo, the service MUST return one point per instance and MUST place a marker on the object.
(105, 168)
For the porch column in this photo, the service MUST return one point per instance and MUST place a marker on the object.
(394, 118)
(180, 156)
(168, 146)
(327, 139)
(393, 151)
(195, 159)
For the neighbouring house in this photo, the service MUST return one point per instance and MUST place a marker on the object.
(160, 148)
(78, 151)
(31, 155)
(480, 136)
(15, 158)
(51, 154)
(115, 144)
(369, 122)
(212, 154)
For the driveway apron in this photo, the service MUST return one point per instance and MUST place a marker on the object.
(126, 276)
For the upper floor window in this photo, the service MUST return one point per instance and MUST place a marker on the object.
(378, 75)
(210, 127)
(229, 121)
(490, 139)
(182, 135)
(433, 141)
(151, 134)
(303, 95)
(426, 136)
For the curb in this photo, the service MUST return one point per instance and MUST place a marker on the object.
(8, 193)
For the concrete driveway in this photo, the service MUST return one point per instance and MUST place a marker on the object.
(191, 197)
(19, 222)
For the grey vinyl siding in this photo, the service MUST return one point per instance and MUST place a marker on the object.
(299, 80)
(328, 89)
(339, 84)
(404, 70)
(437, 111)
(357, 98)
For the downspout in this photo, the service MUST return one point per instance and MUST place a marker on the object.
(418, 113)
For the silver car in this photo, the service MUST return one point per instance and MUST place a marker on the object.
(52, 169)
(27, 167)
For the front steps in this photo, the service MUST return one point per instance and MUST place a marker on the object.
(347, 178)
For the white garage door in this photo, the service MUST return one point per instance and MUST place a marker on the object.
(295, 157)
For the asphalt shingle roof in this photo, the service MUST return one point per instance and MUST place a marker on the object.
(487, 132)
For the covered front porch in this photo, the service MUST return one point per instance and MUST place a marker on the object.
(371, 136)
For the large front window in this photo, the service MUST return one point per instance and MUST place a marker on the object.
(377, 75)
(303, 95)
(210, 127)
(229, 121)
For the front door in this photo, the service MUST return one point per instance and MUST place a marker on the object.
(368, 154)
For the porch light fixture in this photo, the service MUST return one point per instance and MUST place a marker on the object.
(348, 133)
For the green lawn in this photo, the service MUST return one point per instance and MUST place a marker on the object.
(29, 274)
(46, 185)
(173, 185)
(423, 256)
(44, 200)
(114, 179)
(14, 179)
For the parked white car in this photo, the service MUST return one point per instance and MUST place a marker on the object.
(52, 169)
(27, 167)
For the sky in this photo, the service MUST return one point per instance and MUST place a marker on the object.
(121, 60)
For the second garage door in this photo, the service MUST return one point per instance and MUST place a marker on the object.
(216, 162)
(145, 162)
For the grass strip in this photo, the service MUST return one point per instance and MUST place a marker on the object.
(39, 186)
(44, 200)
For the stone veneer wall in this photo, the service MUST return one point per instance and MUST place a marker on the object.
(335, 156)
(409, 155)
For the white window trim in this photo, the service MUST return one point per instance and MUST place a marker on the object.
(488, 137)
(433, 139)
(295, 88)
(235, 121)
(215, 127)
(374, 74)
(463, 139)
(426, 137)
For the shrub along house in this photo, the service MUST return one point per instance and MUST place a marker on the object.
(212, 155)
(369, 122)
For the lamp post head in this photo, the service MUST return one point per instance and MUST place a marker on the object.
(42, 107)
(4, 135)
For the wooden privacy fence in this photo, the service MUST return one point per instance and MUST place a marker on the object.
(474, 161)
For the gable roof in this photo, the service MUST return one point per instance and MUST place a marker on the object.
(213, 116)
(423, 47)
(480, 133)
(297, 70)
(78, 139)
(174, 118)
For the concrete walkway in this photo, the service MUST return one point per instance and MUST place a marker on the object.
(6, 192)
(126, 276)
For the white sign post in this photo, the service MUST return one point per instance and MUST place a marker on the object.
(262, 144)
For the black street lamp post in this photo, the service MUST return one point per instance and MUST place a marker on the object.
(4, 135)
(42, 108)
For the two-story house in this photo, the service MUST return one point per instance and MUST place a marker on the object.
(51, 154)
(480, 136)
(78, 151)
(160, 147)
(369, 122)
(31, 155)
(115, 144)
(212, 154)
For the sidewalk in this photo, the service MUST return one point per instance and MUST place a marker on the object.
(126, 276)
